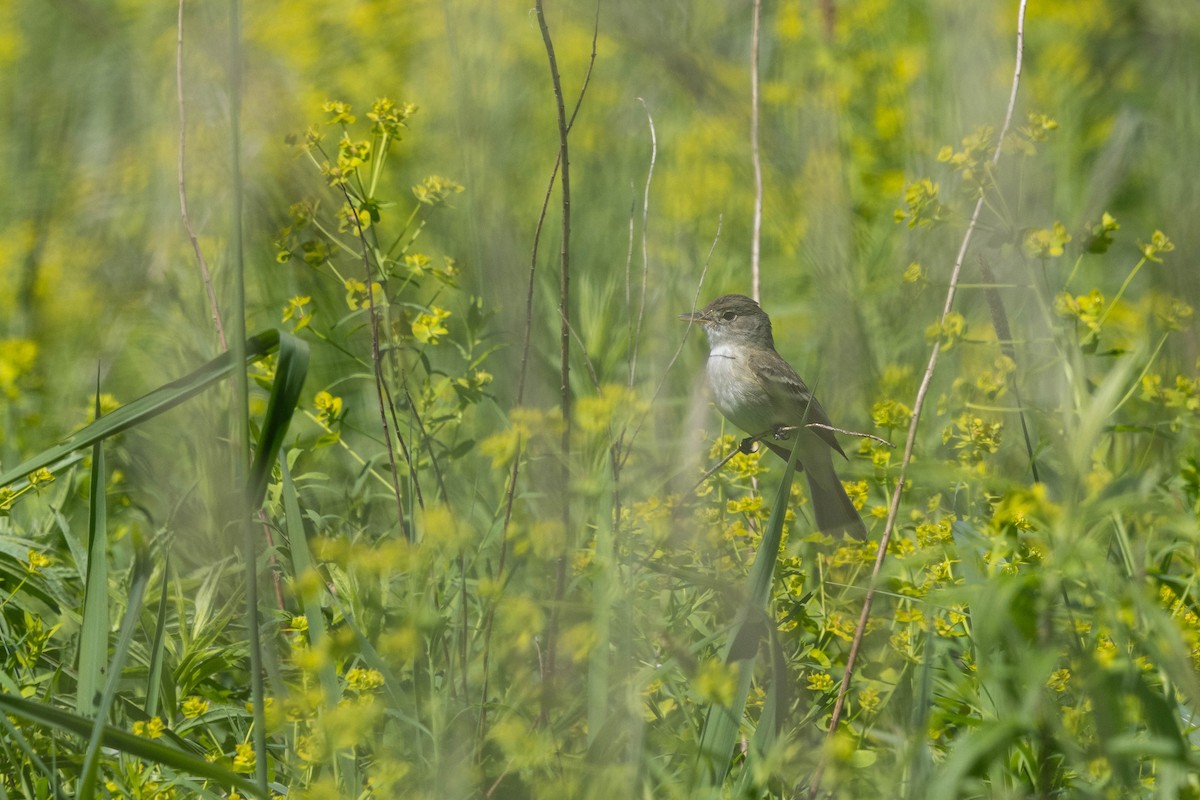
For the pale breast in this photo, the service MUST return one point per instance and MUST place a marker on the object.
(736, 392)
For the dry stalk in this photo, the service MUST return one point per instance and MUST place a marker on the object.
(205, 275)
(918, 404)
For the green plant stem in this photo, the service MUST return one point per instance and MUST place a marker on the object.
(1120, 292)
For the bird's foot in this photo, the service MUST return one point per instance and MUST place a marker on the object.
(747, 445)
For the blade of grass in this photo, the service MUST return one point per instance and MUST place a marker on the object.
(145, 407)
(125, 742)
(302, 565)
(93, 635)
(721, 724)
(91, 759)
(157, 651)
(290, 372)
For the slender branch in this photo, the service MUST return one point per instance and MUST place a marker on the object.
(514, 473)
(205, 275)
(667, 370)
(404, 451)
(564, 311)
(922, 393)
(641, 312)
(756, 233)
(835, 429)
(377, 368)
(241, 398)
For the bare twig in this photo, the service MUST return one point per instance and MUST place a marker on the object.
(682, 339)
(717, 467)
(922, 392)
(835, 429)
(756, 233)
(205, 276)
(377, 365)
(564, 312)
(390, 402)
(514, 473)
(637, 325)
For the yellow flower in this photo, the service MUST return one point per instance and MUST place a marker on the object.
(820, 681)
(194, 706)
(295, 309)
(1047, 242)
(1059, 679)
(339, 113)
(428, 327)
(363, 680)
(243, 761)
(329, 408)
(38, 561)
(869, 700)
(1159, 243)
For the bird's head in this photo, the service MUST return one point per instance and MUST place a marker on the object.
(733, 319)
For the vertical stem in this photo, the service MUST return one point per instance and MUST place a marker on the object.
(377, 371)
(914, 423)
(241, 401)
(564, 313)
(205, 275)
(756, 235)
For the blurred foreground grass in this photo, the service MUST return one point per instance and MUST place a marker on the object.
(1035, 636)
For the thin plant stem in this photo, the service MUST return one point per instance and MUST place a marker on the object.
(1121, 292)
(564, 313)
(201, 263)
(910, 442)
(522, 374)
(641, 312)
(241, 394)
(756, 156)
(377, 364)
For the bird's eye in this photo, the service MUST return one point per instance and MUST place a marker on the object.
(729, 316)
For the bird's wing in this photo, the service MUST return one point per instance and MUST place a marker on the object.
(783, 384)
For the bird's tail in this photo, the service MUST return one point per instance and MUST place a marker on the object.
(834, 510)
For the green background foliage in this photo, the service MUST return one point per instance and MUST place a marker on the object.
(431, 628)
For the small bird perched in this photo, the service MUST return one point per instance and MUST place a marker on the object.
(755, 389)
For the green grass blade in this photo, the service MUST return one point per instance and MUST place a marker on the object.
(93, 635)
(91, 760)
(302, 564)
(157, 651)
(290, 372)
(13, 734)
(721, 724)
(117, 739)
(150, 405)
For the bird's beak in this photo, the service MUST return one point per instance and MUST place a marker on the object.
(695, 316)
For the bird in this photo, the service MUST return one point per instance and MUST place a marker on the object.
(758, 391)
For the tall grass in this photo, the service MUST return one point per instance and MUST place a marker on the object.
(456, 592)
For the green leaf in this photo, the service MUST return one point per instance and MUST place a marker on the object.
(290, 372)
(93, 636)
(137, 589)
(148, 406)
(721, 724)
(137, 746)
